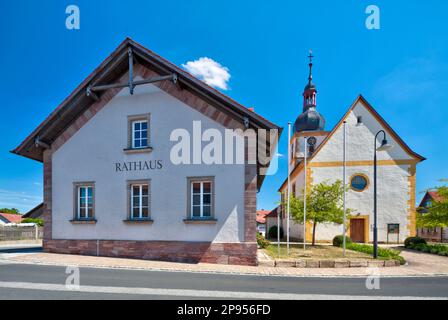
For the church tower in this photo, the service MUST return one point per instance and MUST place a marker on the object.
(310, 123)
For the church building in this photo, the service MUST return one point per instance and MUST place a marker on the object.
(324, 153)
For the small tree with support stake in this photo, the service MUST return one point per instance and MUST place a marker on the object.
(324, 205)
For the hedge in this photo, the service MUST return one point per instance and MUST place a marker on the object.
(440, 249)
(412, 241)
(273, 232)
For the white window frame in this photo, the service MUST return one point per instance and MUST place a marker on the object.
(86, 208)
(201, 196)
(140, 199)
(133, 123)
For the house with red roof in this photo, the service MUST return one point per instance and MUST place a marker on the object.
(437, 234)
(7, 218)
(261, 221)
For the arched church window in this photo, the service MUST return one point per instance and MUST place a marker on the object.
(359, 182)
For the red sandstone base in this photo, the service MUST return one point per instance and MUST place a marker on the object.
(187, 252)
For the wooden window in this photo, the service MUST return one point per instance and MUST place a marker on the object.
(84, 201)
(139, 203)
(138, 133)
(201, 198)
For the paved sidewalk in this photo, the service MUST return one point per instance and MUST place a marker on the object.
(419, 264)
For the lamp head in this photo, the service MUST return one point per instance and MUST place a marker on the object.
(385, 146)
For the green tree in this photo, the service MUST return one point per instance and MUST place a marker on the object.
(10, 210)
(324, 205)
(39, 222)
(437, 212)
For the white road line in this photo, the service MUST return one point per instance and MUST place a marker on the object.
(199, 293)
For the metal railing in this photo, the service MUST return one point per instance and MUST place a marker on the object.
(21, 233)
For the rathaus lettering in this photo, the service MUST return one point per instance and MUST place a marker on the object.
(139, 165)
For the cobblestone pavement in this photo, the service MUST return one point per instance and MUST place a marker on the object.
(419, 264)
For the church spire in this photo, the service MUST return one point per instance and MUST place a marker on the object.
(310, 77)
(310, 119)
(310, 92)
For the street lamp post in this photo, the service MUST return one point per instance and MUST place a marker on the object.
(288, 208)
(384, 146)
(304, 193)
(344, 179)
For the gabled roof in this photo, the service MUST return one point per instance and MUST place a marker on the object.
(10, 218)
(36, 212)
(111, 69)
(387, 127)
(435, 196)
(273, 213)
(261, 215)
(430, 195)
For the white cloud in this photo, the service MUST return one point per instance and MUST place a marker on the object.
(209, 71)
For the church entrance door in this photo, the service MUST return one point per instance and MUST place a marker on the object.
(357, 230)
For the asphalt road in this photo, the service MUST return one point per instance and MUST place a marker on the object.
(21, 281)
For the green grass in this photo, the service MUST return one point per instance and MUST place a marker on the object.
(313, 252)
(328, 252)
(385, 254)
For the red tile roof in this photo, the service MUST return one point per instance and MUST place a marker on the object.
(435, 196)
(11, 218)
(261, 216)
(273, 213)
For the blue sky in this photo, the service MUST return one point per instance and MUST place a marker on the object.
(401, 69)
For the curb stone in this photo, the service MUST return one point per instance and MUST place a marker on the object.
(329, 264)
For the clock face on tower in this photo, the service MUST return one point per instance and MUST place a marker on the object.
(312, 141)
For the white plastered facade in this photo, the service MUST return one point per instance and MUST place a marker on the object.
(396, 169)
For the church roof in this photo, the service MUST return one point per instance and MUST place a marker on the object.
(310, 120)
(377, 116)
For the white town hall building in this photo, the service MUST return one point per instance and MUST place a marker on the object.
(111, 187)
(396, 172)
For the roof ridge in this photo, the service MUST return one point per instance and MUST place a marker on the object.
(371, 109)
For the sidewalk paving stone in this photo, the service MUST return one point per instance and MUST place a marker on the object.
(419, 264)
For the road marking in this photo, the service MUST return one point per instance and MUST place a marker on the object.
(200, 293)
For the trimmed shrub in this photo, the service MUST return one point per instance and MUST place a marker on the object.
(338, 241)
(262, 242)
(439, 249)
(413, 241)
(273, 232)
(39, 222)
